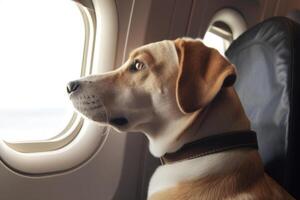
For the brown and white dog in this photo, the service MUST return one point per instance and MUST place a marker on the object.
(176, 92)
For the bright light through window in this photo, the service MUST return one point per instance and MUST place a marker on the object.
(215, 40)
(41, 47)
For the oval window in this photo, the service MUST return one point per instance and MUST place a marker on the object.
(218, 36)
(41, 50)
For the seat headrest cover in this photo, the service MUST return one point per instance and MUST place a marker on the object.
(269, 85)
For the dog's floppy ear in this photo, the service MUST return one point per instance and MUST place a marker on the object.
(203, 71)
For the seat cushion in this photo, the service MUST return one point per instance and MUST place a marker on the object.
(267, 60)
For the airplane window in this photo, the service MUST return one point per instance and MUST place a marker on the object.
(218, 36)
(41, 49)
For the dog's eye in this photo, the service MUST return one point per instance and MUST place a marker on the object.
(137, 66)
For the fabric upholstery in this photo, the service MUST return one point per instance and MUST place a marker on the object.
(267, 57)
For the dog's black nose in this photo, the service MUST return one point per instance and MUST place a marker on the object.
(72, 86)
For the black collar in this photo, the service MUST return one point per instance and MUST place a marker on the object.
(213, 144)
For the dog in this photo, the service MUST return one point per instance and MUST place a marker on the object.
(178, 92)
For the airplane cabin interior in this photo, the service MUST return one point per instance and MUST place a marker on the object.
(51, 151)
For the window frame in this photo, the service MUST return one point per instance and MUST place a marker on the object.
(81, 139)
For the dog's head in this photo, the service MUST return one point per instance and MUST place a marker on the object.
(160, 82)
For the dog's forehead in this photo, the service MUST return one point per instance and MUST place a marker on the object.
(161, 51)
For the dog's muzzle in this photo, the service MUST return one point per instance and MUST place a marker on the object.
(86, 102)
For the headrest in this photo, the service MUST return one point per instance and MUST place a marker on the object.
(267, 58)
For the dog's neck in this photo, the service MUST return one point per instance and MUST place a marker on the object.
(224, 114)
(229, 163)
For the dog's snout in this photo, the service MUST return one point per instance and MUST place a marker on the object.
(72, 86)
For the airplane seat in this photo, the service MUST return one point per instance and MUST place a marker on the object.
(267, 57)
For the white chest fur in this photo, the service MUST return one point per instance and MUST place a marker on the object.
(170, 175)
